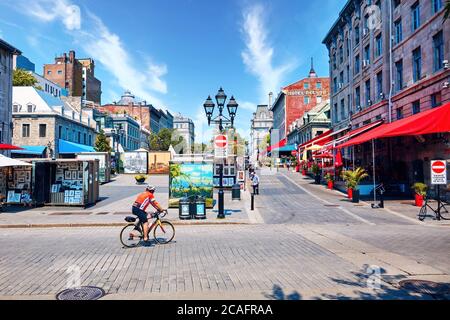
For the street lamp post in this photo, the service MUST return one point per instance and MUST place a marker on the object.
(221, 120)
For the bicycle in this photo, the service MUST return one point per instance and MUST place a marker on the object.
(438, 213)
(163, 230)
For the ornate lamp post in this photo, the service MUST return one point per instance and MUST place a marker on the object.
(221, 120)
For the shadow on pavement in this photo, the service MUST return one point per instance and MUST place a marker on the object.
(278, 294)
(370, 285)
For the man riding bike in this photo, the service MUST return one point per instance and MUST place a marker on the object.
(140, 205)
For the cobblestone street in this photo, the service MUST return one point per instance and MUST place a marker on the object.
(299, 246)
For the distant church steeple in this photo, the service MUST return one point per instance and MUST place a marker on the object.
(312, 73)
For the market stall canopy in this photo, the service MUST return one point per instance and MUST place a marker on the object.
(72, 147)
(5, 146)
(320, 139)
(287, 148)
(31, 150)
(8, 162)
(436, 120)
(277, 145)
(314, 147)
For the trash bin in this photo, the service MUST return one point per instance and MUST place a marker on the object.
(184, 209)
(236, 192)
(200, 208)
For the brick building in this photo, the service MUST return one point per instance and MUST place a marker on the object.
(295, 100)
(151, 118)
(375, 79)
(75, 75)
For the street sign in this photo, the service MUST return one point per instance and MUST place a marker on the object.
(438, 172)
(221, 146)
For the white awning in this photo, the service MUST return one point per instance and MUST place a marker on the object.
(8, 162)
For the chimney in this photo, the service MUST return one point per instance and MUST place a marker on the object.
(71, 56)
(270, 100)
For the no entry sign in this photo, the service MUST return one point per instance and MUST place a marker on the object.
(438, 172)
(221, 146)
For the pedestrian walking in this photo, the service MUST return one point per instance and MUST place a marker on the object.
(255, 183)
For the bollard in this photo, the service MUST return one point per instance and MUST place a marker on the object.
(253, 202)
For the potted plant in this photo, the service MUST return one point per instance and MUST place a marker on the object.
(330, 179)
(304, 168)
(420, 190)
(352, 179)
(140, 179)
(316, 171)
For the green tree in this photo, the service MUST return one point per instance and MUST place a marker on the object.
(23, 78)
(162, 140)
(199, 148)
(102, 143)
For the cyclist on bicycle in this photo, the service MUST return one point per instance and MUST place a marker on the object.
(140, 205)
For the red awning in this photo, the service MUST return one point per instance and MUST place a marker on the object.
(435, 120)
(277, 145)
(319, 140)
(356, 132)
(9, 147)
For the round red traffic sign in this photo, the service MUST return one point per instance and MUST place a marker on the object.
(438, 167)
(221, 141)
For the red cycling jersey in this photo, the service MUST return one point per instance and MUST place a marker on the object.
(144, 199)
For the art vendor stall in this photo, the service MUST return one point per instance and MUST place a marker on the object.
(189, 179)
(65, 182)
(134, 162)
(15, 181)
(104, 159)
(158, 162)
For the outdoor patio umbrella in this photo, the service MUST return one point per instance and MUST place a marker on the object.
(4, 146)
(8, 162)
(314, 147)
(305, 156)
(339, 162)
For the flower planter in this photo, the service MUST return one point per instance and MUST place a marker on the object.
(350, 193)
(304, 172)
(297, 168)
(355, 196)
(330, 185)
(418, 200)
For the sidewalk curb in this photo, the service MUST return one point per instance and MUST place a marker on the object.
(113, 224)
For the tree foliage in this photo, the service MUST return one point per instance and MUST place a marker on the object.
(162, 140)
(102, 143)
(23, 78)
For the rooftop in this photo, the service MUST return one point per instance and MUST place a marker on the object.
(6, 46)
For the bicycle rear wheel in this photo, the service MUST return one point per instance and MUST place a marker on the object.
(445, 213)
(130, 241)
(164, 233)
(423, 213)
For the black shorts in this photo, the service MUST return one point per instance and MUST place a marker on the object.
(141, 214)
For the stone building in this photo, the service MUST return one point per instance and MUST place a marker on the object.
(296, 99)
(262, 122)
(46, 126)
(75, 75)
(7, 52)
(312, 124)
(388, 61)
(184, 127)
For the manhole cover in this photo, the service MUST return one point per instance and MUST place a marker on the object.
(331, 205)
(425, 287)
(83, 293)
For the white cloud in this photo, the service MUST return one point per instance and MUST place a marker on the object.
(258, 54)
(50, 10)
(249, 106)
(103, 46)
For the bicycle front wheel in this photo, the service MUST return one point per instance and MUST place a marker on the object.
(130, 237)
(423, 213)
(164, 232)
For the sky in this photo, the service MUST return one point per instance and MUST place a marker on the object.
(174, 53)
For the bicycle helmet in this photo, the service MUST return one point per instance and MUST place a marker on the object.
(150, 187)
